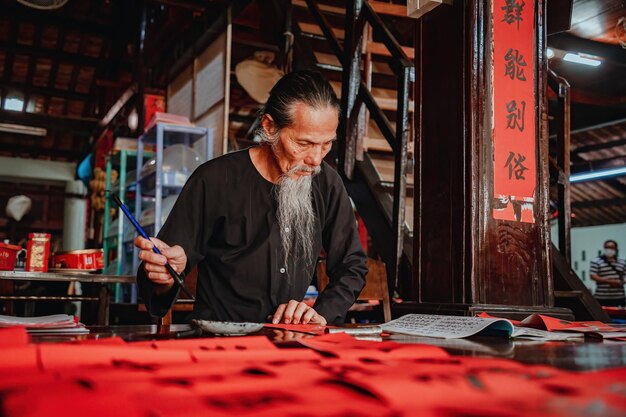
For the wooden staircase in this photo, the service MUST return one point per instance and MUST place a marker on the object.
(376, 159)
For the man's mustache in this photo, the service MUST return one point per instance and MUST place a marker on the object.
(304, 168)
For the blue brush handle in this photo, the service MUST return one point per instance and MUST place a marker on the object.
(156, 250)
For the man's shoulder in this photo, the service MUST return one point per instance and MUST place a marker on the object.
(224, 163)
(329, 175)
(599, 260)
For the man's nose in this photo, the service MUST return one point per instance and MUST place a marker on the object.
(315, 156)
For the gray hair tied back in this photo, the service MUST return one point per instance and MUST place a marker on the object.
(307, 87)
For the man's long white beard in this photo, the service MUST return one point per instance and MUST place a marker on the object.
(295, 214)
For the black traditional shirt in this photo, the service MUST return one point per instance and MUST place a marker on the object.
(225, 220)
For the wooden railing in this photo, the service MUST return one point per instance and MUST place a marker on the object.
(562, 164)
(356, 97)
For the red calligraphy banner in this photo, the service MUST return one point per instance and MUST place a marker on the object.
(514, 109)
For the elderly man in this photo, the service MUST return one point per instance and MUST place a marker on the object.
(255, 221)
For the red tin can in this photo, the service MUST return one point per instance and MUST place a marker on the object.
(8, 254)
(38, 252)
(85, 259)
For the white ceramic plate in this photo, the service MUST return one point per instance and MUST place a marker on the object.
(227, 327)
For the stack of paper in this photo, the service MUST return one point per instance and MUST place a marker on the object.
(56, 323)
(168, 118)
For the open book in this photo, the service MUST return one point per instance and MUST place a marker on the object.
(448, 327)
(453, 327)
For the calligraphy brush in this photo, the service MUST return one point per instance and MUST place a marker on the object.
(156, 250)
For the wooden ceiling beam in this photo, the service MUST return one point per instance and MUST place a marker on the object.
(598, 164)
(599, 203)
(195, 5)
(610, 124)
(9, 56)
(98, 26)
(58, 54)
(46, 91)
(599, 146)
(36, 151)
(615, 184)
(32, 64)
(177, 22)
(75, 70)
(79, 126)
(115, 49)
(586, 97)
(52, 75)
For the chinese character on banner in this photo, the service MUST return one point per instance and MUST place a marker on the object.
(514, 110)
(515, 116)
(515, 166)
(513, 11)
(515, 64)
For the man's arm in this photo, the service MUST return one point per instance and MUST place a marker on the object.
(186, 227)
(346, 263)
(156, 283)
(612, 282)
(594, 269)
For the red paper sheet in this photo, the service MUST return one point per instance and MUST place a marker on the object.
(13, 337)
(544, 322)
(259, 356)
(60, 356)
(218, 344)
(362, 378)
(301, 328)
(345, 346)
(68, 399)
(18, 358)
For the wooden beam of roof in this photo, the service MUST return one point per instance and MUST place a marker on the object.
(196, 5)
(571, 43)
(616, 161)
(56, 55)
(79, 126)
(7, 72)
(599, 203)
(46, 91)
(16, 12)
(36, 151)
(178, 21)
(588, 98)
(599, 126)
(616, 184)
(599, 146)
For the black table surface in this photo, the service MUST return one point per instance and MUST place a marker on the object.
(583, 355)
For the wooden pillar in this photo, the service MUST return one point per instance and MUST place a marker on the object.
(481, 234)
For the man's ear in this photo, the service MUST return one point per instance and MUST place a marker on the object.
(268, 125)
